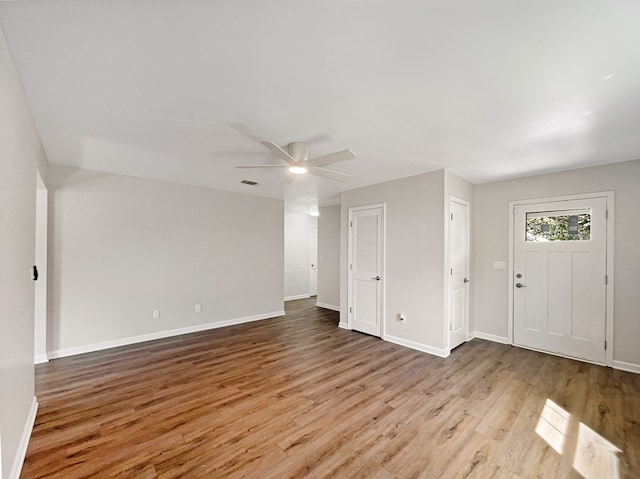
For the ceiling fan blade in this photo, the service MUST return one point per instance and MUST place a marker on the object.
(332, 175)
(262, 166)
(332, 158)
(280, 152)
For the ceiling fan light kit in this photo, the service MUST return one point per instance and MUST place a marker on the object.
(297, 158)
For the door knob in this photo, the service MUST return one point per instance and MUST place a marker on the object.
(466, 280)
(520, 285)
(377, 278)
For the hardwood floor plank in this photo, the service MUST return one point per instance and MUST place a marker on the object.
(296, 396)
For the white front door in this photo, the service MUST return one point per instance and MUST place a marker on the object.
(313, 261)
(366, 281)
(560, 261)
(458, 272)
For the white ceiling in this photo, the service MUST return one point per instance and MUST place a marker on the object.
(183, 90)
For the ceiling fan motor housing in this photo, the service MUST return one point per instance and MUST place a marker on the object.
(299, 150)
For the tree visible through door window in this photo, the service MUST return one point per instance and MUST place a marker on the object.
(559, 226)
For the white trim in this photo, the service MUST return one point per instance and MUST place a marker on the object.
(297, 296)
(383, 266)
(344, 326)
(629, 367)
(89, 348)
(609, 316)
(490, 337)
(21, 453)
(443, 353)
(327, 306)
(40, 359)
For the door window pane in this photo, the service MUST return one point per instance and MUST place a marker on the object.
(559, 226)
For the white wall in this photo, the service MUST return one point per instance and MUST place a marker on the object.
(124, 246)
(21, 155)
(414, 268)
(297, 230)
(491, 244)
(329, 257)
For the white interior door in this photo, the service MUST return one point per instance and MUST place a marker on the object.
(560, 258)
(40, 307)
(366, 236)
(313, 261)
(458, 273)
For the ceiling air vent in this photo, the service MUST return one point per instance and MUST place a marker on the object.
(249, 182)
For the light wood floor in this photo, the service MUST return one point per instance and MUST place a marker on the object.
(298, 397)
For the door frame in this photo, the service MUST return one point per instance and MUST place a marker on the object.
(447, 276)
(383, 207)
(609, 196)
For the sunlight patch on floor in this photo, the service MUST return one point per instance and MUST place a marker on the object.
(553, 425)
(593, 456)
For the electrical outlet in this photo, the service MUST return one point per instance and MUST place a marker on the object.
(402, 318)
(198, 308)
(156, 313)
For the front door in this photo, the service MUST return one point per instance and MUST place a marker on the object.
(458, 272)
(366, 236)
(560, 260)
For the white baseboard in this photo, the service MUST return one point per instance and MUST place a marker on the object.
(40, 358)
(443, 353)
(21, 453)
(629, 367)
(490, 337)
(327, 306)
(299, 296)
(89, 348)
(344, 325)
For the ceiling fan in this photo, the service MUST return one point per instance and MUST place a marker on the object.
(298, 162)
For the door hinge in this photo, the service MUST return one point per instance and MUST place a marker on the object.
(350, 310)
(451, 216)
(606, 279)
(605, 345)
(606, 214)
(351, 224)
(450, 326)
(351, 267)
(451, 271)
